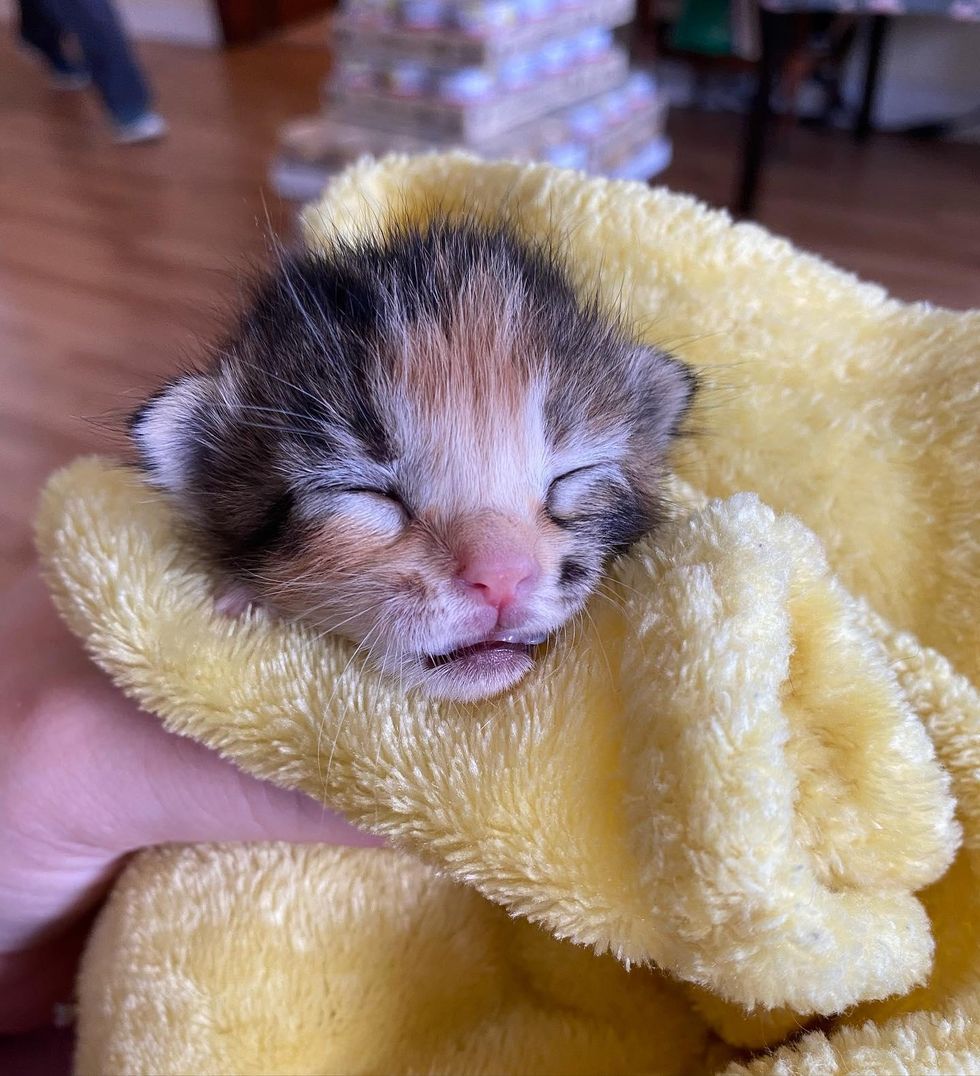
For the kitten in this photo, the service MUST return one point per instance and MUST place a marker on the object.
(426, 443)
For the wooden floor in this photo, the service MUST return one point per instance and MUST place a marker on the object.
(114, 260)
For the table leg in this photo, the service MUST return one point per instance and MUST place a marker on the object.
(872, 68)
(774, 35)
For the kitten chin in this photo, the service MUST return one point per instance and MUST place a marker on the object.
(427, 443)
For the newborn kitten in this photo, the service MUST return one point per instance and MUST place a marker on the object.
(426, 443)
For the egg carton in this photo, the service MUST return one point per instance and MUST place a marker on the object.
(303, 181)
(522, 71)
(476, 120)
(597, 135)
(377, 32)
(594, 135)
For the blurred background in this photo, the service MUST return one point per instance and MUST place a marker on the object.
(852, 128)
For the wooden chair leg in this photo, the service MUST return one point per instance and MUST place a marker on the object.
(864, 124)
(774, 35)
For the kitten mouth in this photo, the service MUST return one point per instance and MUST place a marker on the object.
(487, 650)
(479, 670)
(502, 644)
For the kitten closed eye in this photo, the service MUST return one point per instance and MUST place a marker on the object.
(573, 495)
(379, 507)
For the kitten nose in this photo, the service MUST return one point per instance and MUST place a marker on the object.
(498, 576)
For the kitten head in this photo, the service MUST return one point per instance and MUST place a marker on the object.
(428, 445)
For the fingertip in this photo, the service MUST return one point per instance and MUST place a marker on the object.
(321, 824)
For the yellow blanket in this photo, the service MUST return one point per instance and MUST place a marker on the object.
(725, 787)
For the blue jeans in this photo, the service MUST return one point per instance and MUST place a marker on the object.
(108, 57)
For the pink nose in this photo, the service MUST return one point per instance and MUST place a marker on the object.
(498, 576)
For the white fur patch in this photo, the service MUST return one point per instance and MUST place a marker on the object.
(164, 433)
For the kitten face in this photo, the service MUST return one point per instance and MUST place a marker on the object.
(429, 446)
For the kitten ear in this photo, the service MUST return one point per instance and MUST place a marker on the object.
(165, 430)
(666, 391)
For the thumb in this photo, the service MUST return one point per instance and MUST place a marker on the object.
(199, 796)
(158, 787)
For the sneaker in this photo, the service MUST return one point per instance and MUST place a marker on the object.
(146, 128)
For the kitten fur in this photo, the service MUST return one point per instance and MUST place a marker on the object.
(388, 415)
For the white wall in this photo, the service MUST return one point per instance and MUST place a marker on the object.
(191, 22)
(931, 71)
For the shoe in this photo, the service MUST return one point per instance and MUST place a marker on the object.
(146, 128)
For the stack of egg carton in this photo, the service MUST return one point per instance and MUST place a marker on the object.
(524, 79)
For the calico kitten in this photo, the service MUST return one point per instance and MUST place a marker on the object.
(426, 443)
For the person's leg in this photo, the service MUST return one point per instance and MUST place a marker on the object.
(108, 55)
(43, 34)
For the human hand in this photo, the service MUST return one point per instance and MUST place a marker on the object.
(86, 779)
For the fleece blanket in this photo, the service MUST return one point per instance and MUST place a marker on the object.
(719, 826)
